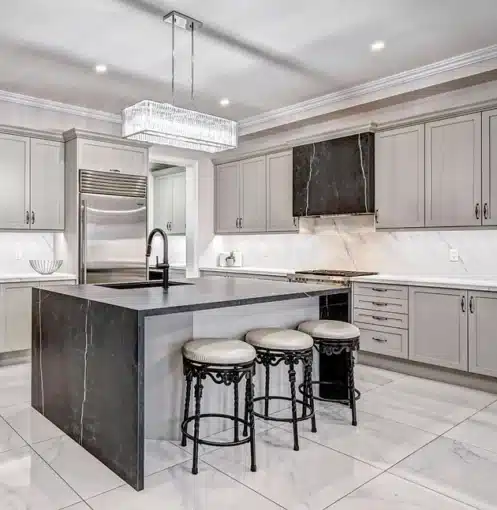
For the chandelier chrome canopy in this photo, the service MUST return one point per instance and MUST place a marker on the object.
(166, 124)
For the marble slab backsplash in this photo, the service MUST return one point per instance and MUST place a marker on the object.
(17, 248)
(351, 242)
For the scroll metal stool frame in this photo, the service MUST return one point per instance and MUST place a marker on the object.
(219, 374)
(272, 358)
(332, 347)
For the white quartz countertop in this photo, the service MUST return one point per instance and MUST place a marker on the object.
(248, 270)
(35, 277)
(469, 282)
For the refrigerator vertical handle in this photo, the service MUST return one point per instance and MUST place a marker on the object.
(82, 243)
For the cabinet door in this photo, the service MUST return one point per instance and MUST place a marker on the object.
(178, 224)
(489, 167)
(108, 157)
(227, 198)
(163, 202)
(253, 201)
(47, 185)
(438, 332)
(280, 193)
(482, 327)
(14, 178)
(17, 317)
(400, 178)
(453, 172)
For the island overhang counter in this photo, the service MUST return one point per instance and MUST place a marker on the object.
(107, 365)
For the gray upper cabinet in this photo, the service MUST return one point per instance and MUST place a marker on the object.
(14, 175)
(438, 332)
(253, 191)
(489, 167)
(482, 325)
(280, 192)
(453, 172)
(399, 177)
(47, 185)
(227, 198)
(170, 203)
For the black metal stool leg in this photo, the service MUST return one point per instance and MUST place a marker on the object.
(291, 376)
(352, 395)
(189, 378)
(305, 398)
(308, 389)
(249, 399)
(236, 434)
(266, 401)
(198, 397)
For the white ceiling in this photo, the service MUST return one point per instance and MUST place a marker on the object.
(261, 54)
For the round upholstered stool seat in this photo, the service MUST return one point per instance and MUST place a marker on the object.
(330, 330)
(279, 339)
(218, 351)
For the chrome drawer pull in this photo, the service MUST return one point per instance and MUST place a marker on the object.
(376, 289)
(376, 318)
(375, 303)
(381, 340)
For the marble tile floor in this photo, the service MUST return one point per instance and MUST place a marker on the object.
(419, 445)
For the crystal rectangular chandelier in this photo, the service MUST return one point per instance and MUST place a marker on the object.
(166, 124)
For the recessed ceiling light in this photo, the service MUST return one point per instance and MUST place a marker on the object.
(377, 45)
(224, 102)
(100, 68)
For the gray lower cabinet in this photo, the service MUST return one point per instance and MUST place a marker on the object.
(482, 328)
(438, 332)
(399, 177)
(280, 193)
(453, 172)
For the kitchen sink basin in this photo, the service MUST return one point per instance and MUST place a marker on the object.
(139, 285)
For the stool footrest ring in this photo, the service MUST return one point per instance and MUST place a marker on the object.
(285, 420)
(329, 383)
(184, 429)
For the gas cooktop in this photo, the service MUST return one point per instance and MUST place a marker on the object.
(333, 272)
(327, 275)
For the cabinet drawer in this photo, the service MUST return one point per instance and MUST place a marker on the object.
(384, 340)
(387, 291)
(393, 320)
(381, 304)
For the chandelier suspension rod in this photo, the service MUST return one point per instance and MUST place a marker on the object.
(193, 58)
(173, 21)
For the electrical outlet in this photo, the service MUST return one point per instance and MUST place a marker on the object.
(453, 255)
(18, 252)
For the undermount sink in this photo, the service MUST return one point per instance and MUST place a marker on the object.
(139, 285)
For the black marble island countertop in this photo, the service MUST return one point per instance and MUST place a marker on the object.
(198, 294)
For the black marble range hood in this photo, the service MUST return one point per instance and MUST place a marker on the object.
(334, 177)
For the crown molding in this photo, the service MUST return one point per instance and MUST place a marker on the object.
(74, 133)
(467, 64)
(31, 133)
(55, 106)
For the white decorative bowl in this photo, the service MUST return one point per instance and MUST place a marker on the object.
(45, 266)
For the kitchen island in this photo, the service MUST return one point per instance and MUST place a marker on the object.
(107, 365)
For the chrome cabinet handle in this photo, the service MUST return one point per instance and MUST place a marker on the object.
(294, 221)
(236, 223)
(376, 216)
(32, 217)
(241, 222)
(115, 170)
(376, 289)
(376, 303)
(381, 340)
(27, 217)
(463, 304)
(471, 305)
(485, 210)
(477, 210)
(377, 318)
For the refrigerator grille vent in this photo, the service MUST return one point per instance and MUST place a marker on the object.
(110, 183)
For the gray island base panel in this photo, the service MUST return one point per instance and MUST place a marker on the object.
(107, 366)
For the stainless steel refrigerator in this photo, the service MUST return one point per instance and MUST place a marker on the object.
(112, 227)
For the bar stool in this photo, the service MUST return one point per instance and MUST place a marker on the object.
(274, 346)
(332, 338)
(224, 361)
